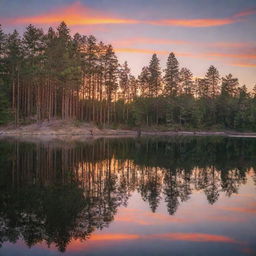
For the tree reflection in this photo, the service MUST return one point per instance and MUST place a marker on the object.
(56, 191)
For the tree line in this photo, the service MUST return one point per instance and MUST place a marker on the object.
(44, 76)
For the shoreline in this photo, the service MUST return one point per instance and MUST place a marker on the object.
(106, 133)
(64, 129)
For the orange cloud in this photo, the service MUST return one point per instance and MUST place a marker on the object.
(138, 50)
(148, 40)
(195, 23)
(150, 51)
(230, 44)
(127, 42)
(238, 17)
(209, 55)
(230, 55)
(195, 237)
(75, 14)
(245, 65)
(78, 14)
(247, 12)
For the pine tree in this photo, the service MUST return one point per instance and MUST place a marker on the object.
(133, 86)
(213, 78)
(155, 76)
(111, 76)
(186, 85)
(171, 77)
(229, 85)
(144, 78)
(5, 114)
(14, 57)
(34, 46)
(202, 90)
(124, 81)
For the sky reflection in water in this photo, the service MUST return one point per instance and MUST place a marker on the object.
(181, 196)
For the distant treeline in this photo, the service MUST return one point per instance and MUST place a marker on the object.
(56, 75)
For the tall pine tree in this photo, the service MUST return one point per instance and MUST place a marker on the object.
(171, 77)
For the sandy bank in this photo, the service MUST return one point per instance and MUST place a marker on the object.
(57, 128)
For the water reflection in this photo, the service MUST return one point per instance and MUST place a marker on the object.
(59, 192)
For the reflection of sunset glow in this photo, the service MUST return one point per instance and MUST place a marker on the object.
(106, 237)
(98, 239)
(145, 218)
(141, 217)
(195, 237)
(240, 209)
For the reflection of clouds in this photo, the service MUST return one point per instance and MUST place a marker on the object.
(240, 209)
(100, 239)
(143, 217)
(146, 218)
(195, 237)
(103, 175)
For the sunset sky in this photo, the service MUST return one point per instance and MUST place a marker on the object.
(200, 32)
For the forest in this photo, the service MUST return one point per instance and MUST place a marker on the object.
(54, 75)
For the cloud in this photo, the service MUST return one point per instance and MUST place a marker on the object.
(246, 12)
(244, 65)
(148, 40)
(194, 23)
(149, 51)
(139, 50)
(232, 45)
(229, 55)
(79, 14)
(188, 54)
(128, 42)
(75, 14)
(233, 59)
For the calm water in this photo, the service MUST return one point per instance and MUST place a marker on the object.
(151, 196)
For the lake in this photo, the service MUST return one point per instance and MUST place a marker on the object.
(146, 196)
